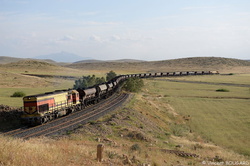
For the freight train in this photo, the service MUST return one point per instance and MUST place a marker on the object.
(41, 108)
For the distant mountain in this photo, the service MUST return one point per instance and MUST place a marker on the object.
(63, 57)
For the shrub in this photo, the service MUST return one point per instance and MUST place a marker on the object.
(135, 147)
(222, 90)
(18, 94)
(112, 154)
(110, 75)
(133, 84)
(179, 130)
(88, 81)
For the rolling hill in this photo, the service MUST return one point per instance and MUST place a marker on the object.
(195, 63)
(6, 59)
(63, 57)
(131, 66)
(103, 61)
(38, 67)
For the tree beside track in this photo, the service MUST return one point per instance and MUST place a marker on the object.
(133, 84)
(88, 81)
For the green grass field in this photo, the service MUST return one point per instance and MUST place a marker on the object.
(234, 78)
(220, 117)
(5, 93)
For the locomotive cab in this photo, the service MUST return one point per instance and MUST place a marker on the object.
(31, 110)
(30, 106)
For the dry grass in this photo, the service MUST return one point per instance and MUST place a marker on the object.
(15, 152)
(17, 80)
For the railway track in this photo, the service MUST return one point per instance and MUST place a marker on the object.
(72, 121)
(179, 153)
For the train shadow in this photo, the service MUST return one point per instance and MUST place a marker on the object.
(7, 126)
(10, 118)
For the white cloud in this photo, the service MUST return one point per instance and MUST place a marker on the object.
(96, 38)
(115, 38)
(67, 38)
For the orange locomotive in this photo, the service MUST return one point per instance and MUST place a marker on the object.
(39, 109)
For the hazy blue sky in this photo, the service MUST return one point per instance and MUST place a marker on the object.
(138, 29)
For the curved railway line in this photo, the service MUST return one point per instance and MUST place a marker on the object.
(42, 107)
(71, 121)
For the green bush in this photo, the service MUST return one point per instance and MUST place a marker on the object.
(133, 84)
(88, 81)
(135, 147)
(112, 154)
(179, 130)
(222, 90)
(18, 94)
(110, 75)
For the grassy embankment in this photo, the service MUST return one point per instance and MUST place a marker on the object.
(220, 117)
